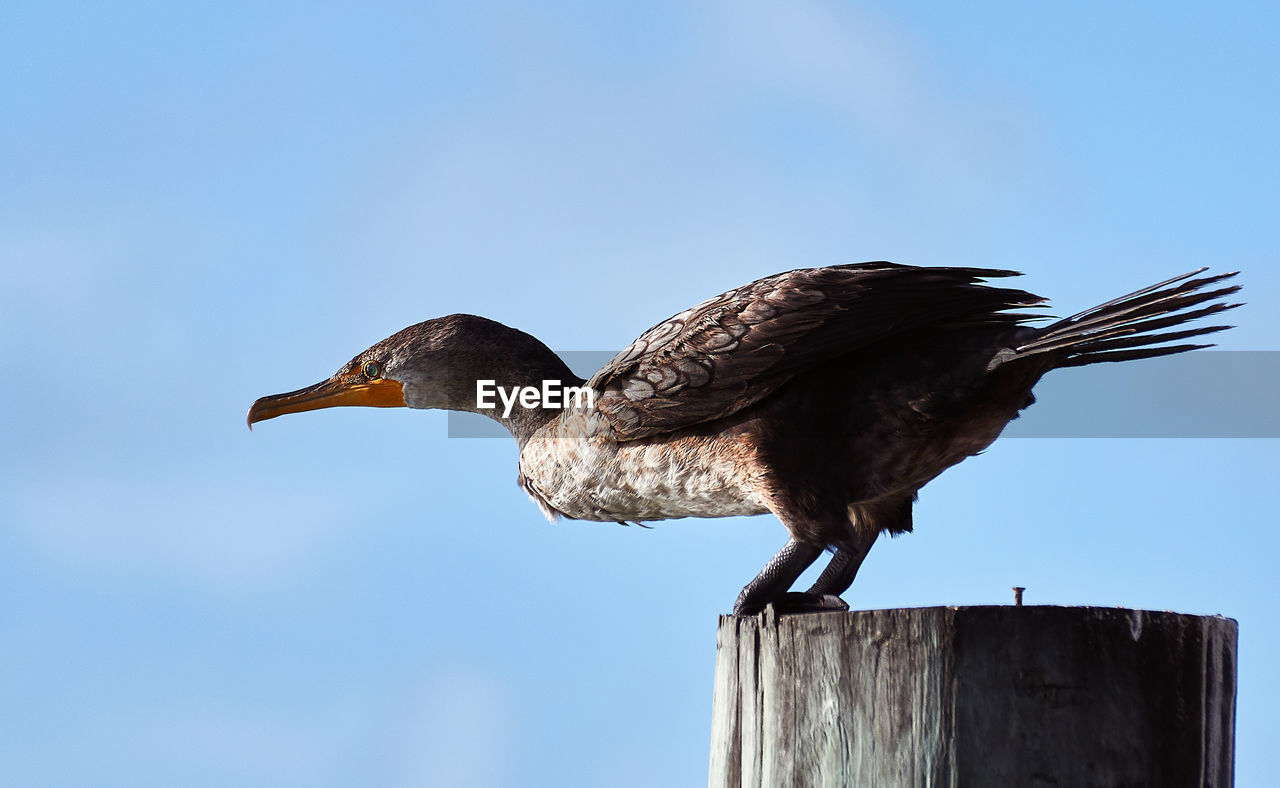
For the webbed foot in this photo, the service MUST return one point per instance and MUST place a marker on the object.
(794, 602)
(808, 602)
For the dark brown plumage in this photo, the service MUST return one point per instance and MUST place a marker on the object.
(734, 350)
(826, 396)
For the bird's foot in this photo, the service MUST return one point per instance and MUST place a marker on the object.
(794, 602)
(809, 602)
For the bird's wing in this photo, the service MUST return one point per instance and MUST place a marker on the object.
(737, 348)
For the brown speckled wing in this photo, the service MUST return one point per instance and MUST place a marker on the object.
(733, 350)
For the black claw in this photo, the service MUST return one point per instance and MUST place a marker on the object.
(743, 608)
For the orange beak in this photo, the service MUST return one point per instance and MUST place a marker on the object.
(338, 391)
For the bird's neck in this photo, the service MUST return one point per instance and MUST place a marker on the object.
(496, 371)
(524, 398)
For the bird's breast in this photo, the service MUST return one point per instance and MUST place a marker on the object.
(576, 467)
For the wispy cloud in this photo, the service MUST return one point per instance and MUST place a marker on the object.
(451, 727)
(198, 528)
(457, 731)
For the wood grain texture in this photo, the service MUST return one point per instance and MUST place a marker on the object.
(975, 696)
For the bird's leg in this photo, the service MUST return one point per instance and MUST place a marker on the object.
(839, 574)
(776, 577)
(866, 520)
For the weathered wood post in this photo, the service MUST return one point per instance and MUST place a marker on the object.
(974, 696)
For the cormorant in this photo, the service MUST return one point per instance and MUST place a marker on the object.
(827, 396)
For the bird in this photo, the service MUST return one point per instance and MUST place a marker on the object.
(826, 396)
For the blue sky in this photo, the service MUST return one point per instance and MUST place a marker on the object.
(203, 204)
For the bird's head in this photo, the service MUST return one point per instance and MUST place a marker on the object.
(434, 364)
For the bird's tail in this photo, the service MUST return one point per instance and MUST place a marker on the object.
(1131, 326)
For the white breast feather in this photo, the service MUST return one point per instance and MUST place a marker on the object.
(583, 472)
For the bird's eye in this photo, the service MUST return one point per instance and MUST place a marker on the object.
(372, 370)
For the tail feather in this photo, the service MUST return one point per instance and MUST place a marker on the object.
(1157, 323)
(1147, 302)
(1125, 328)
(1063, 341)
(1128, 355)
(1134, 294)
(1142, 340)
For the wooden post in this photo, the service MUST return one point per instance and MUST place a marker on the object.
(974, 696)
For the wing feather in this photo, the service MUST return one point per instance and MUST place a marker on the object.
(733, 350)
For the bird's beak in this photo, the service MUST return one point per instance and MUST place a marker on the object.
(337, 391)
